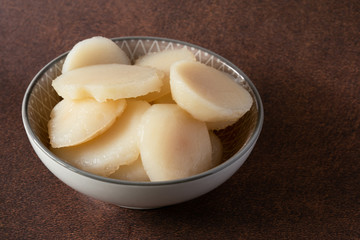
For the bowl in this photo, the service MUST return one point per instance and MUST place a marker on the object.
(238, 140)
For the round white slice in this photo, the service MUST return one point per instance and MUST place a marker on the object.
(207, 93)
(117, 146)
(152, 96)
(74, 122)
(108, 81)
(162, 61)
(173, 144)
(217, 149)
(132, 172)
(93, 51)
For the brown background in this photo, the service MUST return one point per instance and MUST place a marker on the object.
(302, 180)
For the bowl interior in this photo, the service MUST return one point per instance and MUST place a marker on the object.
(42, 97)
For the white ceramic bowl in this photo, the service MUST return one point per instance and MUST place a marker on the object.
(238, 140)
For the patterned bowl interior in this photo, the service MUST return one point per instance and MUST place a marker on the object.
(42, 96)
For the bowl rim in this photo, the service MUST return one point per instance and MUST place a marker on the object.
(247, 146)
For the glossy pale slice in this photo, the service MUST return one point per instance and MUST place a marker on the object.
(173, 144)
(217, 149)
(163, 61)
(152, 96)
(108, 81)
(132, 172)
(207, 93)
(93, 51)
(117, 146)
(73, 122)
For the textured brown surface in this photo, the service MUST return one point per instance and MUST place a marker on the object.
(302, 180)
